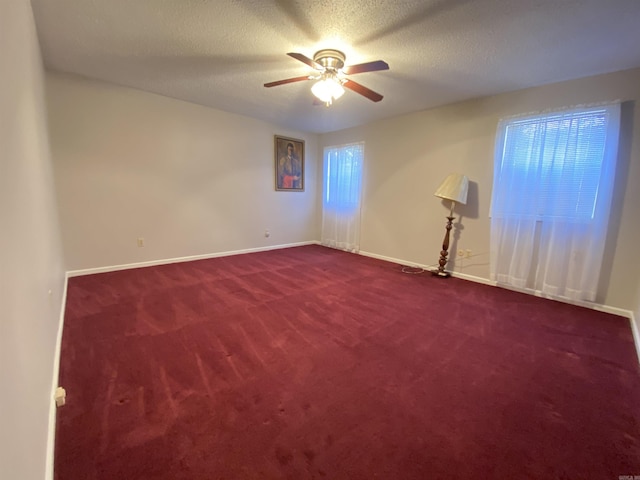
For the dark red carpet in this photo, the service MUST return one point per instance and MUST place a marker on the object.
(310, 363)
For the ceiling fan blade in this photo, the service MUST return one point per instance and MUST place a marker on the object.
(288, 80)
(362, 90)
(305, 59)
(366, 67)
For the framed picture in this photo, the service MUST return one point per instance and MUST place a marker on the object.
(289, 163)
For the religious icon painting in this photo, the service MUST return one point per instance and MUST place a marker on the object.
(289, 164)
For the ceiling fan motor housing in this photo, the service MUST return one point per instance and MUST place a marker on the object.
(330, 59)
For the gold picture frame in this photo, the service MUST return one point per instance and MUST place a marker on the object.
(289, 164)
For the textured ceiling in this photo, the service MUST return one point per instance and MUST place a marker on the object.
(219, 53)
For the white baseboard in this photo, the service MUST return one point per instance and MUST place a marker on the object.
(621, 312)
(635, 329)
(473, 278)
(166, 261)
(51, 437)
(636, 333)
(399, 261)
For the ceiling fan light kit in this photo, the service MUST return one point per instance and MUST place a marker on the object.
(327, 89)
(331, 77)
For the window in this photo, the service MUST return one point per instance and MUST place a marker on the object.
(341, 196)
(552, 190)
(554, 162)
(343, 176)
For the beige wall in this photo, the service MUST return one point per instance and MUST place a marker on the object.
(31, 270)
(407, 157)
(190, 180)
(196, 181)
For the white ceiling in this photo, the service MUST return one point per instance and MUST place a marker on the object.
(219, 53)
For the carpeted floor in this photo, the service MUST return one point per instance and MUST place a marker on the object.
(310, 363)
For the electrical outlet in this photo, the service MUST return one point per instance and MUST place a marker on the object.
(140, 242)
(467, 253)
(60, 396)
(267, 233)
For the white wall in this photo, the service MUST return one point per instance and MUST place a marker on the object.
(190, 180)
(30, 252)
(407, 157)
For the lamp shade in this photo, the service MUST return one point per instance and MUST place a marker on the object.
(455, 188)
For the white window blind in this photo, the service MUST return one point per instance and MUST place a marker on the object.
(555, 161)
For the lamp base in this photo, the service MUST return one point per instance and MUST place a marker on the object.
(440, 273)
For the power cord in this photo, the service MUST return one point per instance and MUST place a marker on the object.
(413, 270)
(417, 270)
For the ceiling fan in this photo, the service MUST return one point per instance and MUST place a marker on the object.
(331, 75)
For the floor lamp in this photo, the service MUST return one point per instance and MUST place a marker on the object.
(453, 188)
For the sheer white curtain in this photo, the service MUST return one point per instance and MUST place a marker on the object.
(341, 196)
(553, 184)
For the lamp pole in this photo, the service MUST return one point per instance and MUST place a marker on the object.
(445, 245)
